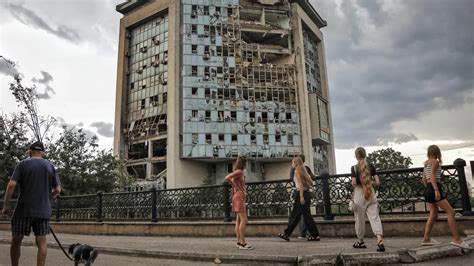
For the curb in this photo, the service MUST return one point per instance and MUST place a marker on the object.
(373, 258)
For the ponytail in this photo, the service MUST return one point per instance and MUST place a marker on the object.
(365, 178)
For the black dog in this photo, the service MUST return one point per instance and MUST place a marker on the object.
(83, 254)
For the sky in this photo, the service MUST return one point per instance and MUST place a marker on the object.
(401, 73)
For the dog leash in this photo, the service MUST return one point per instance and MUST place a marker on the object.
(59, 243)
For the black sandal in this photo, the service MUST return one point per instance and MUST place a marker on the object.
(284, 236)
(380, 246)
(314, 238)
(359, 244)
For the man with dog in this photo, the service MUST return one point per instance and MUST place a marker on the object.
(39, 185)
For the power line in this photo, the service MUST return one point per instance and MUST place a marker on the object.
(465, 146)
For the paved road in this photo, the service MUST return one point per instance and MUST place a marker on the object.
(56, 257)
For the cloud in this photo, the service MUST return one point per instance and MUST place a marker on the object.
(104, 129)
(30, 18)
(75, 127)
(393, 61)
(47, 78)
(8, 67)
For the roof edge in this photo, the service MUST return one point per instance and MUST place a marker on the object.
(312, 13)
(129, 5)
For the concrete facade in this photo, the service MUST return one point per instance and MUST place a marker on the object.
(200, 82)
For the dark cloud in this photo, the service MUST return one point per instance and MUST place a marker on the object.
(390, 62)
(8, 67)
(104, 129)
(47, 78)
(30, 18)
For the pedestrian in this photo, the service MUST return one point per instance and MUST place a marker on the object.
(39, 185)
(364, 177)
(435, 199)
(301, 224)
(239, 194)
(301, 204)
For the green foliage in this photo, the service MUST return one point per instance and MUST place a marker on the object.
(386, 159)
(82, 168)
(13, 144)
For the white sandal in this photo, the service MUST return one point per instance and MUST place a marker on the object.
(462, 245)
(432, 242)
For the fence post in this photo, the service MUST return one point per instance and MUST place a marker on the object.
(58, 208)
(99, 207)
(226, 194)
(326, 197)
(466, 204)
(154, 218)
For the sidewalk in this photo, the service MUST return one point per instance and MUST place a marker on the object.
(267, 250)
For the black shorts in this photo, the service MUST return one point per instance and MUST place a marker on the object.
(22, 226)
(430, 193)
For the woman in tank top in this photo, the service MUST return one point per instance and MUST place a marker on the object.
(435, 199)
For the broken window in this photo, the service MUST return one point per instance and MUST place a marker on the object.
(137, 171)
(194, 49)
(142, 104)
(208, 138)
(194, 71)
(194, 29)
(159, 148)
(137, 151)
(194, 91)
(221, 138)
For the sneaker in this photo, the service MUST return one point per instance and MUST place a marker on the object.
(245, 246)
(432, 242)
(462, 245)
(237, 245)
(301, 237)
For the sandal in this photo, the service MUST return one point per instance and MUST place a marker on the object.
(380, 246)
(284, 236)
(314, 238)
(359, 244)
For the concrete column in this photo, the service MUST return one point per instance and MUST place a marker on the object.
(304, 107)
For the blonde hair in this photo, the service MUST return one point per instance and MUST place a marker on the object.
(364, 172)
(240, 163)
(434, 153)
(302, 173)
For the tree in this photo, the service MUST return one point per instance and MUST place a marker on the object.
(394, 186)
(13, 143)
(386, 159)
(82, 168)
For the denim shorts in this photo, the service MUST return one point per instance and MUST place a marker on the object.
(22, 226)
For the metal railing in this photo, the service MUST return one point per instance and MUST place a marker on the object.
(401, 192)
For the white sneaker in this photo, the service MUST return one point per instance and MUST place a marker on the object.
(237, 245)
(432, 242)
(462, 245)
(245, 246)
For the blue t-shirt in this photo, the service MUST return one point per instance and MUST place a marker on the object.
(36, 179)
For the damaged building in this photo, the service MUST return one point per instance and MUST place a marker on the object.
(200, 82)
